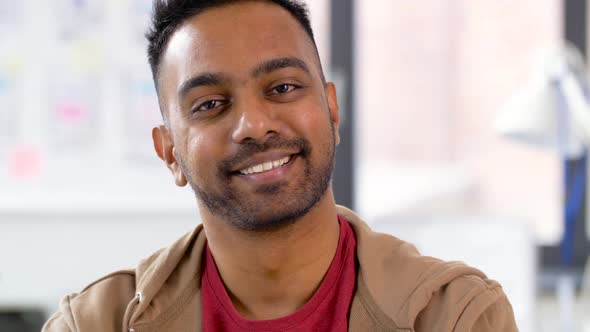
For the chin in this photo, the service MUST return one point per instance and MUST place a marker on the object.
(274, 220)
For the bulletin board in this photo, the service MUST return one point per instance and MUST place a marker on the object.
(77, 105)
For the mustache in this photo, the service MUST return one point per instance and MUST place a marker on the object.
(252, 147)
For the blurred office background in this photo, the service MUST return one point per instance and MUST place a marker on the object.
(422, 87)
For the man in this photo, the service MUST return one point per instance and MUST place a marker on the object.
(252, 126)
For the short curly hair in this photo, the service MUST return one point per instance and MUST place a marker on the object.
(168, 15)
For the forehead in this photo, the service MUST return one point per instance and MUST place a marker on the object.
(232, 39)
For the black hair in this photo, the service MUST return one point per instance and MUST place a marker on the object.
(168, 15)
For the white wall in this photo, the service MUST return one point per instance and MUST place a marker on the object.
(45, 257)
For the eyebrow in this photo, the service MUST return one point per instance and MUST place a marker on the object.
(266, 67)
(269, 66)
(205, 79)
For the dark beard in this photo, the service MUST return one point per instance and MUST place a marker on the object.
(255, 216)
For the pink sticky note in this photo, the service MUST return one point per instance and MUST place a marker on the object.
(71, 111)
(24, 162)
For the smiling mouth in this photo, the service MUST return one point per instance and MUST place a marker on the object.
(266, 166)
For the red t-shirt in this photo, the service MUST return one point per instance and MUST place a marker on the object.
(327, 310)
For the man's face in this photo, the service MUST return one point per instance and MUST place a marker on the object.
(252, 127)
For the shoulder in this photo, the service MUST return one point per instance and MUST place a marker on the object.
(426, 294)
(407, 290)
(467, 303)
(101, 304)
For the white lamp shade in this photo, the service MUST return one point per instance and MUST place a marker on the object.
(551, 110)
(532, 117)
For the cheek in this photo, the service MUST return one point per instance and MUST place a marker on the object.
(198, 148)
(204, 150)
(196, 141)
(313, 119)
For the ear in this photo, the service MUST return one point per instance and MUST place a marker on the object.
(334, 109)
(165, 150)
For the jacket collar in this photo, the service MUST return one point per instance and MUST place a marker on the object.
(169, 275)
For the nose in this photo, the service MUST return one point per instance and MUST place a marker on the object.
(255, 122)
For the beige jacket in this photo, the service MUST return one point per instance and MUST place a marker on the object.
(397, 290)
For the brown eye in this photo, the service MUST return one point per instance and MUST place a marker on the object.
(284, 88)
(208, 105)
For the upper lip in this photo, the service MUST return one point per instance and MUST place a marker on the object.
(260, 158)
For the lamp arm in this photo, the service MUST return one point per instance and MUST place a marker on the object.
(577, 106)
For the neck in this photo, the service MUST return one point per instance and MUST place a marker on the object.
(270, 275)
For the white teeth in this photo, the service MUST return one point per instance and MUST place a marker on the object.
(265, 166)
